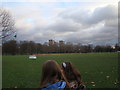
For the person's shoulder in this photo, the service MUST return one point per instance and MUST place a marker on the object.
(62, 84)
(59, 84)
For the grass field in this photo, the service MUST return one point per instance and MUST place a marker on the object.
(98, 70)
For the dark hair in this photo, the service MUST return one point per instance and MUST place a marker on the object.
(51, 73)
(71, 73)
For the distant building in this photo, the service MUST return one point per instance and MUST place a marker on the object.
(61, 42)
(51, 42)
(56, 43)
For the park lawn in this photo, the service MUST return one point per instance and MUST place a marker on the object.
(98, 70)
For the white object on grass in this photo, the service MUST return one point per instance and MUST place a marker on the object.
(92, 82)
(107, 76)
(32, 57)
(93, 85)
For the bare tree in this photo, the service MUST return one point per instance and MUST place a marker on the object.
(7, 28)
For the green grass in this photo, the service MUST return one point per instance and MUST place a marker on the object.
(94, 67)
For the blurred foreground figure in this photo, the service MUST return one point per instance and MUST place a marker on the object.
(73, 76)
(52, 77)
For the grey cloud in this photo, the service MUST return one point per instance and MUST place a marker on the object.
(87, 17)
(37, 37)
(64, 26)
(101, 36)
(111, 23)
(104, 13)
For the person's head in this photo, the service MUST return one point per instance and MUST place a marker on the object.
(51, 73)
(71, 72)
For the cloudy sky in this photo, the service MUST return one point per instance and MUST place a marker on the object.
(77, 22)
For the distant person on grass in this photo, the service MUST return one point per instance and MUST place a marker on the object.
(52, 77)
(73, 76)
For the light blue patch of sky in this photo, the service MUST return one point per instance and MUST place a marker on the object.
(46, 7)
(29, 20)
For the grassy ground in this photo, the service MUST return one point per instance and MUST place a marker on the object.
(98, 70)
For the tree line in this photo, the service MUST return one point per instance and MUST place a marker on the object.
(14, 47)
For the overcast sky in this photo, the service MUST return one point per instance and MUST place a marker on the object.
(77, 22)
